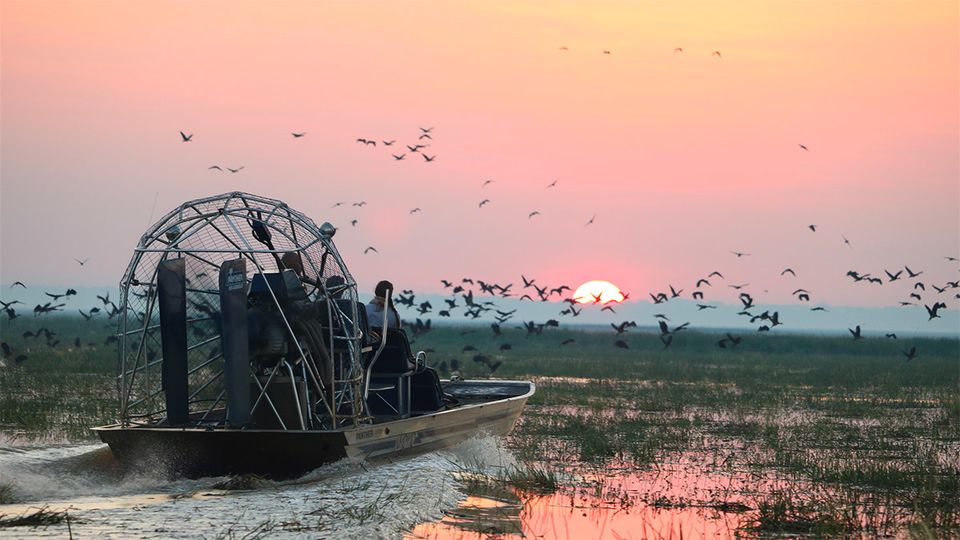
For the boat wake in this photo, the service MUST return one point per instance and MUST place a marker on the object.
(348, 499)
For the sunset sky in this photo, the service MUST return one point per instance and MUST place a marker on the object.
(682, 157)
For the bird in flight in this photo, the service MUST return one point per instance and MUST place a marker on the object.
(338, 204)
(564, 48)
(485, 183)
(932, 311)
(483, 202)
(388, 143)
(805, 148)
(788, 271)
(911, 354)
(217, 167)
(606, 52)
(415, 210)
(298, 135)
(427, 158)
(360, 204)
(846, 241)
(185, 137)
(369, 249)
(81, 262)
(235, 170)
(424, 136)
(717, 54)
(426, 130)
(534, 213)
(591, 220)
(812, 228)
(400, 157)
(739, 254)
(353, 222)
(678, 49)
(856, 333)
(20, 283)
(552, 184)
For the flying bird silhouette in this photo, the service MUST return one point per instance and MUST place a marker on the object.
(534, 213)
(855, 333)
(185, 137)
(369, 249)
(485, 183)
(812, 228)
(591, 220)
(805, 148)
(717, 54)
(932, 311)
(552, 184)
(483, 202)
(298, 135)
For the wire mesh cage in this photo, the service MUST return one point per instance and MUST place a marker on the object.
(303, 343)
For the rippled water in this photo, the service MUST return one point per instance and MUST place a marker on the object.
(342, 500)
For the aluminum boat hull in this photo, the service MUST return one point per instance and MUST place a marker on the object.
(491, 407)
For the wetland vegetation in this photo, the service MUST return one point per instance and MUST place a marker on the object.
(784, 434)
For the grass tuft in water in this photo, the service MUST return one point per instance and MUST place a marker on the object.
(6, 494)
(243, 482)
(785, 513)
(41, 518)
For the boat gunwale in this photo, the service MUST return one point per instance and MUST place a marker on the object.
(531, 389)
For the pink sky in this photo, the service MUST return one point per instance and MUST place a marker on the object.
(683, 157)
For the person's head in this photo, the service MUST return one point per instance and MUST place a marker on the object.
(335, 286)
(292, 260)
(381, 290)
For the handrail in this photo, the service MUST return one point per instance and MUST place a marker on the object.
(383, 343)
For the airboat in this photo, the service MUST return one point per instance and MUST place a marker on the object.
(243, 348)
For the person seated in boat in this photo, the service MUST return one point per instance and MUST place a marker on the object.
(334, 286)
(291, 260)
(377, 306)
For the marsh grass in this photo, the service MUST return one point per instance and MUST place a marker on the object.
(880, 433)
(41, 517)
(785, 514)
(6, 494)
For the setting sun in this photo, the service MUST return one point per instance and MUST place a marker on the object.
(598, 291)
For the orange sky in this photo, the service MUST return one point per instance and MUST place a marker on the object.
(682, 156)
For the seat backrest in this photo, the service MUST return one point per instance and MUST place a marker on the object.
(344, 305)
(397, 357)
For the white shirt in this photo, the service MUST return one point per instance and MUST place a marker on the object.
(375, 316)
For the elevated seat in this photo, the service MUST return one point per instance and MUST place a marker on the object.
(390, 376)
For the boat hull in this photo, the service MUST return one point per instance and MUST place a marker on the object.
(199, 452)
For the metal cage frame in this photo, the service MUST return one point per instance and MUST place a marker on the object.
(206, 233)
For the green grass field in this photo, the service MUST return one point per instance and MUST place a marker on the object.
(877, 434)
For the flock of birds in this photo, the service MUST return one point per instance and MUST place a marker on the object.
(476, 298)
